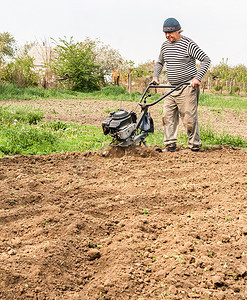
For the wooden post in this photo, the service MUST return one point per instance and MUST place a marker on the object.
(230, 86)
(129, 82)
(208, 83)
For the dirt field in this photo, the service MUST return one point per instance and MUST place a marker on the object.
(134, 224)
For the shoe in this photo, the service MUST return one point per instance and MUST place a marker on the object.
(195, 149)
(170, 148)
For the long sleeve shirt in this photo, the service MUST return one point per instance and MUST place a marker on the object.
(179, 59)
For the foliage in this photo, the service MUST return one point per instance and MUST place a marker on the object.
(19, 133)
(210, 137)
(20, 71)
(230, 77)
(218, 87)
(221, 71)
(25, 139)
(143, 70)
(7, 46)
(239, 73)
(145, 73)
(108, 59)
(74, 64)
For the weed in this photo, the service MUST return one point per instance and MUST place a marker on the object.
(217, 110)
(58, 125)
(107, 111)
(54, 112)
(145, 211)
(24, 136)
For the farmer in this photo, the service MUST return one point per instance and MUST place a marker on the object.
(179, 54)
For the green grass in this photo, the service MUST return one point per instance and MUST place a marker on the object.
(110, 92)
(23, 131)
(116, 93)
(12, 114)
(235, 102)
(45, 139)
(208, 136)
(12, 92)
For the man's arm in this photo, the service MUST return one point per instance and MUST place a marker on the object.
(195, 52)
(158, 68)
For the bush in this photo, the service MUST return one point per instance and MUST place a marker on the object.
(235, 89)
(218, 87)
(74, 64)
(20, 71)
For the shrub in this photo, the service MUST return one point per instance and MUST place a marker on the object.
(235, 89)
(218, 87)
(74, 64)
(20, 71)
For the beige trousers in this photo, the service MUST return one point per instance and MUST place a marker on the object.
(182, 102)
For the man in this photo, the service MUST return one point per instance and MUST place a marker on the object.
(179, 55)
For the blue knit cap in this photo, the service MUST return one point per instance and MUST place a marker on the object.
(171, 25)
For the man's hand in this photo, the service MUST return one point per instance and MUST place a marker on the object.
(155, 81)
(195, 82)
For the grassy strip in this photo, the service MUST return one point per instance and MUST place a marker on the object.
(117, 93)
(110, 92)
(12, 114)
(208, 136)
(223, 101)
(23, 132)
(12, 92)
(46, 139)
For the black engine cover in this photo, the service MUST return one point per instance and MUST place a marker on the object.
(118, 120)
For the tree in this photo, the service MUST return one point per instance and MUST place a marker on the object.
(108, 59)
(7, 46)
(75, 64)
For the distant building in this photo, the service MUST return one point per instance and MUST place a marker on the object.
(42, 55)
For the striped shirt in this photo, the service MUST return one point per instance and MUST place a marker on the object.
(179, 59)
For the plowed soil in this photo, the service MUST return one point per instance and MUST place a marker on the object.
(124, 224)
